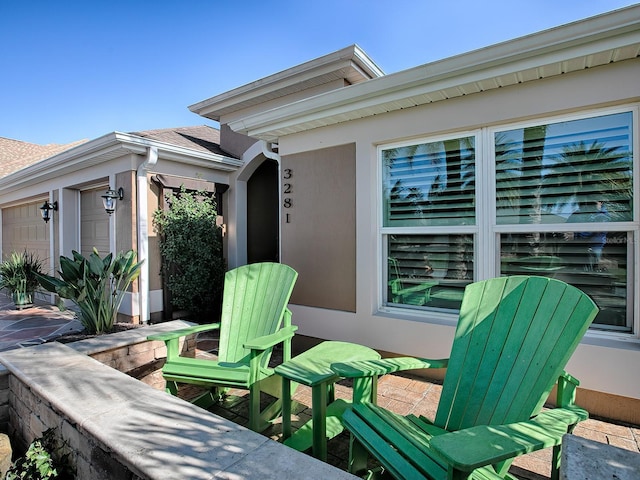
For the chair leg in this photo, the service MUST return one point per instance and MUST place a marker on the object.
(254, 408)
(555, 463)
(172, 388)
(358, 456)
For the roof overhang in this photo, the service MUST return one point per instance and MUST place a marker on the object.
(108, 147)
(600, 40)
(350, 64)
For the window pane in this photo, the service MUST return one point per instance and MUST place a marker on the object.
(595, 262)
(429, 270)
(546, 173)
(430, 184)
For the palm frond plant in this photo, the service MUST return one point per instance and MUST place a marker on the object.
(96, 285)
(19, 275)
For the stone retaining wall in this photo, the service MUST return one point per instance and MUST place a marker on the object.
(115, 427)
(128, 352)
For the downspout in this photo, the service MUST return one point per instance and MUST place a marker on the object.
(143, 233)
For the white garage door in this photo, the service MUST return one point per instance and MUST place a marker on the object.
(94, 222)
(23, 227)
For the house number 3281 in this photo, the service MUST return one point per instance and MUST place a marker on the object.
(287, 189)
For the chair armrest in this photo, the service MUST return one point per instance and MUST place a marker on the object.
(483, 445)
(267, 341)
(370, 368)
(183, 332)
(566, 390)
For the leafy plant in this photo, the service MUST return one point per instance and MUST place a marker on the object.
(96, 285)
(19, 272)
(39, 463)
(191, 248)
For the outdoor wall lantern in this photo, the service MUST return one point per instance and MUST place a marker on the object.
(46, 208)
(109, 199)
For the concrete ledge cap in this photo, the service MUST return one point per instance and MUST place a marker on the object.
(101, 343)
(155, 435)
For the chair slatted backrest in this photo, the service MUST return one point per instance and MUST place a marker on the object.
(254, 301)
(513, 339)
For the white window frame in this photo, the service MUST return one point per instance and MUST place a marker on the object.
(486, 229)
(421, 315)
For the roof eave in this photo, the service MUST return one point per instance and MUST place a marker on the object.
(107, 147)
(352, 58)
(573, 46)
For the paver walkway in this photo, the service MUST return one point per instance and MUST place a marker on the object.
(32, 326)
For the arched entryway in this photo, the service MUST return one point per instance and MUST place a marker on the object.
(263, 214)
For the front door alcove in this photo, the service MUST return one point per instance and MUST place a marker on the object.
(263, 214)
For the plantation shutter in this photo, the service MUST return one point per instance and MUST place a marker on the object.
(430, 184)
(544, 174)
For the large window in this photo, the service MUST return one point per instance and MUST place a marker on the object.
(554, 199)
(429, 209)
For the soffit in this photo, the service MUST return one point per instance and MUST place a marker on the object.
(350, 64)
(601, 40)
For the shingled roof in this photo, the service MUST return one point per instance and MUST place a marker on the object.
(16, 154)
(201, 137)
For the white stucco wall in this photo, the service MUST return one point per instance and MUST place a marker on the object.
(606, 364)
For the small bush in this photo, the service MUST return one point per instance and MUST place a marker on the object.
(18, 273)
(43, 460)
(191, 248)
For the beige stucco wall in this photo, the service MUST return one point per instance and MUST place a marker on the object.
(604, 365)
(318, 234)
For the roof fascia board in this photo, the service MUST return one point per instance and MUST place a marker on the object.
(177, 153)
(349, 57)
(87, 154)
(413, 84)
(210, 110)
(208, 160)
(95, 151)
(617, 29)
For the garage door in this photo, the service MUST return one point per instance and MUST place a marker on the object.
(23, 227)
(94, 222)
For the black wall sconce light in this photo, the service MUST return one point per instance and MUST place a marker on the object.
(46, 208)
(109, 199)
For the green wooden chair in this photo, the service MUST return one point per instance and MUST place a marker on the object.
(513, 339)
(254, 319)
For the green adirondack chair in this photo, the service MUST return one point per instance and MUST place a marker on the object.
(254, 319)
(513, 339)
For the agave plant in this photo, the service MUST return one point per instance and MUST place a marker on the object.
(96, 285)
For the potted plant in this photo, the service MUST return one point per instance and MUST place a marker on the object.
(19, 275)
(96, 285)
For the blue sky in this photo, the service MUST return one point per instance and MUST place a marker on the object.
(81, 69)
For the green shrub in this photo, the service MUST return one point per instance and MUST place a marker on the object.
(191, 249)
(43, 460)
(96, 285)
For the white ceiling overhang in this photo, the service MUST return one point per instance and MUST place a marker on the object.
(600, 40)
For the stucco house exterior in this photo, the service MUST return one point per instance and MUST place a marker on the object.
(73, 178)
(395, 191)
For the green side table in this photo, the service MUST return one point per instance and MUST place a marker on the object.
(313, 368)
